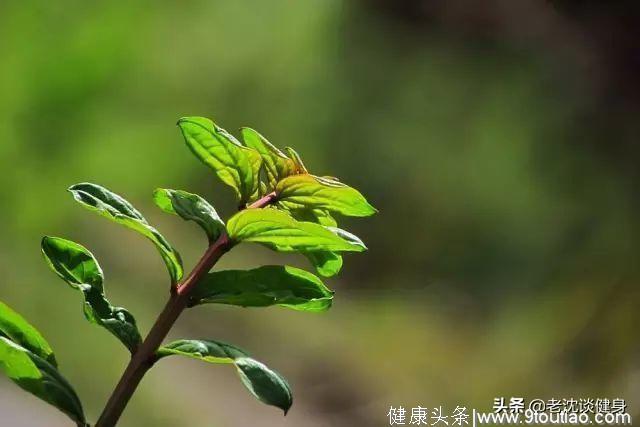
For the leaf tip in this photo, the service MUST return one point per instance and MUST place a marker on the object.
(76, 186)
(288, 405)
(373, 210)
(46, 243)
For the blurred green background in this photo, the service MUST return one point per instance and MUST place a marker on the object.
(498, 139)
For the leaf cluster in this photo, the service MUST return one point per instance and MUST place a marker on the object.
(281, 206)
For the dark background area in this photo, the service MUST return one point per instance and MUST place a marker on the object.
(498, 139)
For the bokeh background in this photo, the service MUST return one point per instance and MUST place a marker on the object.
(498, 139)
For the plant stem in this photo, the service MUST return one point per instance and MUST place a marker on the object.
(144, 358)
(264, 201)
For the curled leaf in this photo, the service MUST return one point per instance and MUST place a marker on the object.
(190, 207)
(265, 384)
(78, 267)
(112, 206)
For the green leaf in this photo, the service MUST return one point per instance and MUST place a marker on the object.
(236, 165)
(17, 329)
(190, 207)
(279, 231)
(117, 209)
(264, 286)
(265, 384)
(313, 192)
(327, 263)
(40, 378)
(346, 236)
(277, 164)
(78, 267)
(318, 216)
(297, 160)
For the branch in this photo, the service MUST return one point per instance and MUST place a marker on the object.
(144, 357)
(264, 201)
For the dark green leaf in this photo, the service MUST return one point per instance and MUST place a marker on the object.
(276, 163)
(40, 378)
(312, 192)
(115, 208)
(278, 230)
(265, 384)
(190, 207)
(236, 165)
(264, 286)
(77, 266)
(17, 329)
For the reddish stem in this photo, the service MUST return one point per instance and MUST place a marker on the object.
(264, 201)
(144, 358)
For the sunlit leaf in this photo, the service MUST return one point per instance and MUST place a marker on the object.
(236, 165)
(17, 329)
(311, 192)
(265, 384)
(277, 164)
(327, 263)
(264, 286)
(297, 160)
(77, 266)
(279, 231)
(35, 374)
(190, 207)
(115, 208)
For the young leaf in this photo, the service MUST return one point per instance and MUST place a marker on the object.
(277, 165)
(112, 206)
(190, 207)
(297, 160)
(264, 286)
(17, 329)
(77, 266)
(312, 192)
(265, 384)
(40, 378)
(279, 231)
(236, 165)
